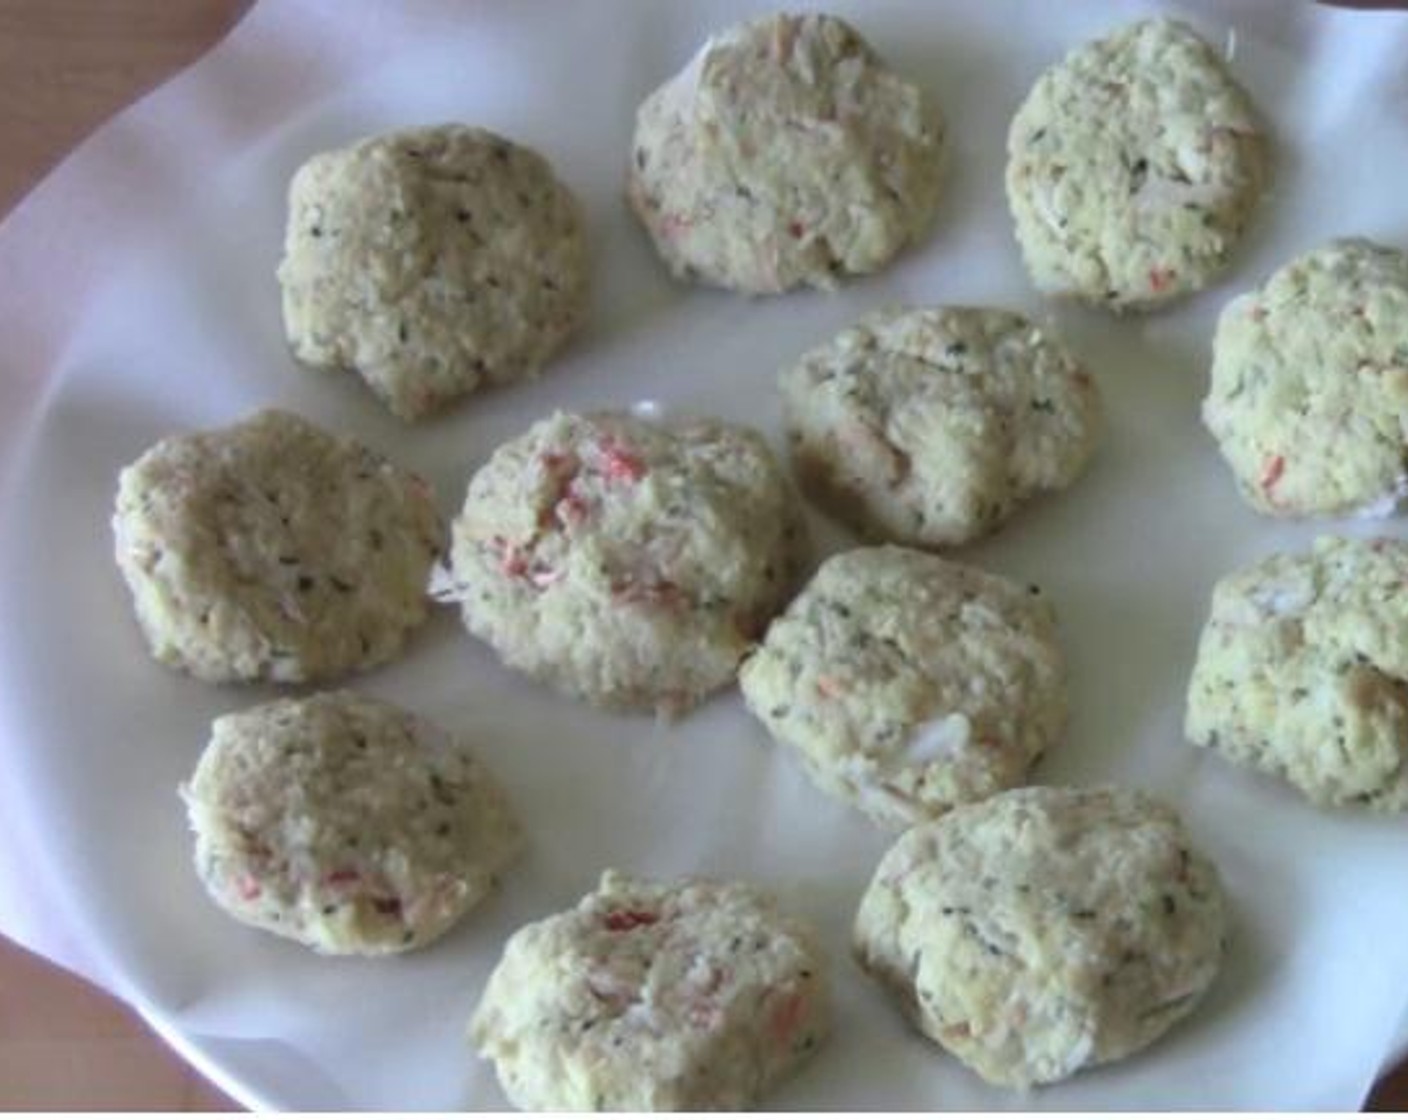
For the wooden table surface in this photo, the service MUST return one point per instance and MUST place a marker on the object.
(65, 66)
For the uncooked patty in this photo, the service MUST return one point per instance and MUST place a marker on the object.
(431, 261)
(684, 996)
(1133, 168)
(345, 823)
(909, 684)
(1309, 394)
(627, 562)
(931, 427)
(274, 550)
(1302, 671)
(786, 153)
(1044, 930)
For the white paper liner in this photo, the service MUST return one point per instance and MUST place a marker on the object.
(143, 297)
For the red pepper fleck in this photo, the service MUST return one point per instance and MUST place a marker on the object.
(512, 560)
(621, 465)
(828, 688)
(787, 1016)
(1160, 278)
(796, 229)
(672, 225)
(573, 508)
(514, 564)
(518, 562)
(342, 876)
(1275, 468)
(248, 887)
(619, 921)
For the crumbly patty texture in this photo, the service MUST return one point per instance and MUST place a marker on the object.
(345, 823)
(785, 154)
(273, 550)
(626, 562)
(1133, 168)
(1309, 394)
(931, 427)
(1302, 672)
(1044, 930)
(431, 261)
(909, 684)
(687, 996)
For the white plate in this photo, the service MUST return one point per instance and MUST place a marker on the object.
(182, 330)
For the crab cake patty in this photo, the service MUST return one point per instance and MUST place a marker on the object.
(930, 427)
(785, 154)
(432, 262)
(909, 684)
(686, 996)
(626, 562)
(1044, 930)
(1302, 672)
(1309, 393)
(1133, 168)
(345, 823)
(274, 550)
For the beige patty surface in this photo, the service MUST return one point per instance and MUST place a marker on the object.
(1133, 168)
(786, 153)
(1044, 930)
(345, 823)
(686, 996)
(431, 261)
(274, 550)
(909, 684)
(1302, 671)
(932, 426)
(627, 562)
(1309, 393)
